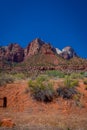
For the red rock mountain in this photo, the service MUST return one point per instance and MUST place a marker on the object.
(39, 53)
(15, 53)
(37, 46)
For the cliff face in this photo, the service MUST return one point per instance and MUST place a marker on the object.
(33, 48)
(13, 53)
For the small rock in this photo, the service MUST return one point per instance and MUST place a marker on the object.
(7, 123)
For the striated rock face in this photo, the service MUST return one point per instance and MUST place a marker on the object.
(12, 53)
(33, 48)
(37, 46)
(46, 49)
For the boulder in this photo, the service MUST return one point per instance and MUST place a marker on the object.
(7, 123)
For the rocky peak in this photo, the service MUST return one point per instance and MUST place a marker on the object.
(58, 51)
(34, 47)
(67, 52)
(68, 49)
(38, 46)
(14, 47)
(38, 41)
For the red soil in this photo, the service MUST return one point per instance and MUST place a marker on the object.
(20, 101)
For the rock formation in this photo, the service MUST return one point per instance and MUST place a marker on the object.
(40, 55)
(13, 53)
(67, 52)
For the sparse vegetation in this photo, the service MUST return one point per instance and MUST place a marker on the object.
(85, 74)
(41, 89)
(55, 73)
(76, 76)
(4, 79)
(74, 83)
(19, 76)
(42, 78)
(69, 82)
(68, 89)
(76, 97)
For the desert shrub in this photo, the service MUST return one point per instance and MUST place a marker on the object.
(85, 82)
(68, 82)
(76, 76)
(77, 96)
(42, 78)
(19, 76)
(66, 92)
(74, 83)
(68, 89)
(77, 100)
(41, 89)
(4, 79)
(85, 74)
(55, 73)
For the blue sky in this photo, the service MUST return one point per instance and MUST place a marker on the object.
(60, 22)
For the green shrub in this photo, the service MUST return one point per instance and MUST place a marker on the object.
(68, 82)
(42, 78)
(76, 76)
(74, 83)
(55, 73)
(19, 76)
(85, 74)
(41, 89)
(68, 89)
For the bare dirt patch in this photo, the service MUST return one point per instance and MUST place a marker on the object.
(29, 114)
